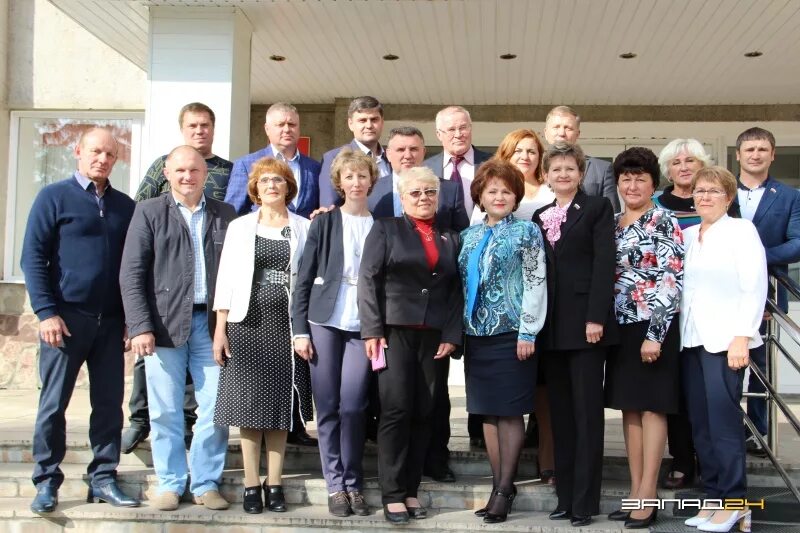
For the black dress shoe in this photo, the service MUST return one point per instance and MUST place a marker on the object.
(619, 515)
(580, 521)
(46, 500)
(401, 517)
(274, 499)
(673, 482)
(418, 513)
(560, 515)
(641, 523)
(252, 502)
(301, 438)
(133, 437)
(111, 493)
(442, 476)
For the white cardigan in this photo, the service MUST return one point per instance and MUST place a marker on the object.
(237, 264)
(724, 284)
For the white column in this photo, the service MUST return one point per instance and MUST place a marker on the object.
(198, 55)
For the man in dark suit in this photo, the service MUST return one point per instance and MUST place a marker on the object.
(168, 278)
(459, 160)
(71, 258)
(365, 120)
(563, 125)
(774, 209)
(283, 131)
(406, 149)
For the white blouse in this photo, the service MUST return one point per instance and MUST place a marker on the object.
(345, 310)
(527, 207)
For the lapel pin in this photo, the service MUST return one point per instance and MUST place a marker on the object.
(444, 237)
(772, 189)
(577, 206)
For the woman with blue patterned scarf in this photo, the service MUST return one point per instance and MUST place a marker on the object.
(502, 266)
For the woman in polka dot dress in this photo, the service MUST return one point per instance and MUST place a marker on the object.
(261, 375)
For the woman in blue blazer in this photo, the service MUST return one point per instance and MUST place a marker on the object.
(326, 329)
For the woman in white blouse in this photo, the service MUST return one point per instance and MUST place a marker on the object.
(725, 287)
(327, 329)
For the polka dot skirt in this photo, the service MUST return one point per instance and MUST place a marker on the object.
(256, 384)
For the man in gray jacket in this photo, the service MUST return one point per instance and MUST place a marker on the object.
(167, 279)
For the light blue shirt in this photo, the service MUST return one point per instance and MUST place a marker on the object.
(294, 164)
(384, 169)
(195, 220)
(85, 182)
(398, 207)
(749, 199)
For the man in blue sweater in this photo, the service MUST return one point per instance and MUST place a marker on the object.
(71, 259)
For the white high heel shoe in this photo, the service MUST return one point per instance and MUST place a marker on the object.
(697, 520)
(742, 518)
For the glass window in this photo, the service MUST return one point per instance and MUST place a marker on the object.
(42, 152)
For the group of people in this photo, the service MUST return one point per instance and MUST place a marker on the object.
(243, 311)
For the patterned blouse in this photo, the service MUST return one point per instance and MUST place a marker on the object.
(512, 293)
(649, 271)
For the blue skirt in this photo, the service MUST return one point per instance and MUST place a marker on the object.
(499, 384)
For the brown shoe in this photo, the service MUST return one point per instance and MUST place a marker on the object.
(167, 501)
(213, 500)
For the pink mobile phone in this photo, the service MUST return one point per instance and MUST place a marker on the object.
(380, 362)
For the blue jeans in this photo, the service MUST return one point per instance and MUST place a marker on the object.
(166, 382)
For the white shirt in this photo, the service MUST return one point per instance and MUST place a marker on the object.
(466, 169)
(749, 199)
(384, 169)
(345, 310)
(294, 164)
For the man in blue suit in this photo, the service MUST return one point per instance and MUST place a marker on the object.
(282, 126)
(774, 209)
(459, 160)
(406, 149)
(365, 120)
(563, 125)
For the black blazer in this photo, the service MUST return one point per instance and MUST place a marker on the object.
(323, 257)
(580, 275)
(157, 265)
(451, 213)
(396, 287)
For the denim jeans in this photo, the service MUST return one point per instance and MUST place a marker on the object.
(166, 382)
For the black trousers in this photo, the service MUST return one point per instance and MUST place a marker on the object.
(438, 454)
(97, 342)
(679, 433)
(575, 389)
(140, 417)
(407, 389)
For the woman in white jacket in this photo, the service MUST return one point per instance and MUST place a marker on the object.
(725, 288)
(261, 377)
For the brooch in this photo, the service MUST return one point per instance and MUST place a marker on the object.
(286, 232)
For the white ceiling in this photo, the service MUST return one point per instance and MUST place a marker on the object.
(688, 51)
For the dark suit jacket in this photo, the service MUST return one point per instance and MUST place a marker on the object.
(777, 220)
(436, 163)
(396, 287)
(327, 194)
(580, 275)
(598, 180)
(450, 214)
(157, 265)
(323, 257)
(237, 196)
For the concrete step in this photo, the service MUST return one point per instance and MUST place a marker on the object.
(302, 488)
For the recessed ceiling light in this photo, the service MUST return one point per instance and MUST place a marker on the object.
(391, 57)
(276, 57)
(754, 53)
(508, 56)
(627, 55)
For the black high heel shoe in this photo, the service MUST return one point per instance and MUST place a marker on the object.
(641, 523)
(482, 511)
(508, 501)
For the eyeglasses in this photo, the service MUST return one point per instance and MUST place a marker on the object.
(714, 193)
(416, 194)
(451, 132)
(275, 180)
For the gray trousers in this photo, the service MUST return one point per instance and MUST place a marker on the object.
(339, 383)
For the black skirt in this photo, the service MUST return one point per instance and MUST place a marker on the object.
(632, 385)
(499, 384)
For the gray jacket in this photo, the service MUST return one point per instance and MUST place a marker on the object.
(157, 274)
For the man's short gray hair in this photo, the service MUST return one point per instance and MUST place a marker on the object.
(449, 110)
(282, 106)
(562, 110)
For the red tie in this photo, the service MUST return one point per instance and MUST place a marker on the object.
(455, 176)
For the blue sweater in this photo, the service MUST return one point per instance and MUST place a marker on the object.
(71, 254)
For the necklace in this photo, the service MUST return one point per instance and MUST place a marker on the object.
(428, 235)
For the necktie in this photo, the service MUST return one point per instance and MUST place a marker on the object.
(455, 176)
